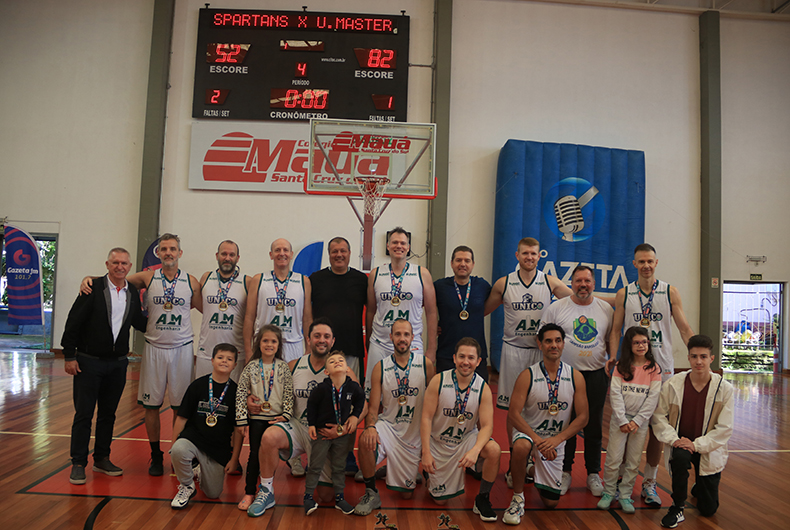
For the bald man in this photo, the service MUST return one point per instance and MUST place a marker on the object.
(278, 297)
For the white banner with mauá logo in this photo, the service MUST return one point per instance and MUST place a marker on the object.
(249, 156)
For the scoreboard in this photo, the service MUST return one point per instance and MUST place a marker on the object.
(298, 65)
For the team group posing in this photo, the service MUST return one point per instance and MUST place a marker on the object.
(426, 405)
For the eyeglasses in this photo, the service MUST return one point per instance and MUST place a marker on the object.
(639, 343)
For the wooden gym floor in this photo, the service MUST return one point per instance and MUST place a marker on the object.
(35, 421)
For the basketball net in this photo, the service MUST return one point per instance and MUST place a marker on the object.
(372, 190)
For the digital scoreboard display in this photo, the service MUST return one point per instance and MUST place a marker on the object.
(298, 65)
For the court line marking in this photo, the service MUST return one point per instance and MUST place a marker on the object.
(55, 435)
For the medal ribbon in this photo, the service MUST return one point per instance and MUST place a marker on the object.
(646, 307)
(281, 292)
(211, 406)
(403, 384)
(553, 388)
(336, 402)
(462, 406)
(464, 302)
(223, 293)
(170, 290)
(397, 281)
(270, 379)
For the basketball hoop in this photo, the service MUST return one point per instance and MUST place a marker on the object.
(372, 190)
(374, 161)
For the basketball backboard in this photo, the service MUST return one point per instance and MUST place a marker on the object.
(341, 151)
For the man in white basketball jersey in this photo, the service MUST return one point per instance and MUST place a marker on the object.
(544, 398)
(456, 401)
(280, 297)
(526, 294)
(291, 439)
(168, 357)
(587, 321)
(224, 292)
(399, 290)
(652, 304)
(398, 385)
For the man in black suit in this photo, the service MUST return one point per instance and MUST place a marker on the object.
(95, 343)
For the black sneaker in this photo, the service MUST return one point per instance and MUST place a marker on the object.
(108, 468)
(77, 474)
(343, 505)
(673, 517)
(310, 505)
(157, 469)
(483, 508)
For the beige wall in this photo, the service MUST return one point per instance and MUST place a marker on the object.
(603, 77)
(73, 86)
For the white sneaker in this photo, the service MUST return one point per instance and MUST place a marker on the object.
(297, 469)
(514, 512)
(594, 484)
(565, 485)
(650, 494)
(182, 497)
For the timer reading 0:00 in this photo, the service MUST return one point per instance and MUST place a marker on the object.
(289, 98)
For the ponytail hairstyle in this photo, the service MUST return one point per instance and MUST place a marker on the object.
(256, 351)
(625, 364)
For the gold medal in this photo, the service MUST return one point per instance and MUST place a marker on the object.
(401, 399)
(645, 322)
(395, 301)
(211, 420)
(339, 429)
(266, 406)
(554, 409)
(280, 307)
(461, 419)
(168, 306)
(223, 306)
(464, 315)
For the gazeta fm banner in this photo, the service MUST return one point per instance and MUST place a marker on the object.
(23, 271)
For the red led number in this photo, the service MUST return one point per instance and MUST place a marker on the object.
(228, 56)
(309, 99)
(215, 97)
(380, 58)
(301, 70)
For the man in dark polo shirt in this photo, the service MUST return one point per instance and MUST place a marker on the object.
(460, 300)
(95, 343)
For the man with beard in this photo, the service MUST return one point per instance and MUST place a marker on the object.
(586, 321)
(460, 301)
(168, 357)
(291, 439)
(398, 385)
(544, 397)
(224, 294)
(456, 401)
(525, 295)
